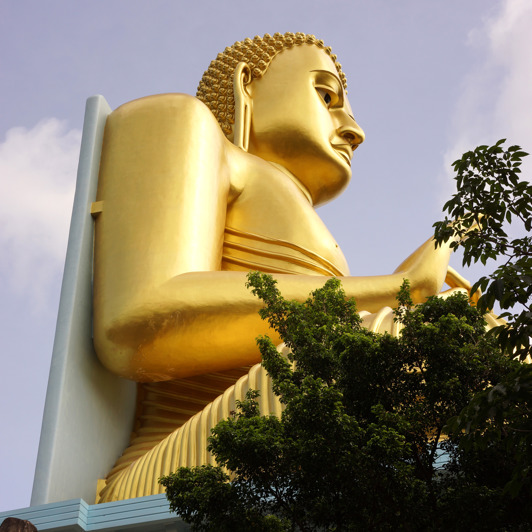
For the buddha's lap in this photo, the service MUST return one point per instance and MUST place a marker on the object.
(165, 441)
(158, 449)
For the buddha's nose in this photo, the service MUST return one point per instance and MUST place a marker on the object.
(352, 133)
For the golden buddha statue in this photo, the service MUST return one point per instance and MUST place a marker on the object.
(194, 193)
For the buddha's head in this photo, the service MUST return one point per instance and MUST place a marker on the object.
(284, 99)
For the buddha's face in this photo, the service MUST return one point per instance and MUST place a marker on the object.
(302, 120)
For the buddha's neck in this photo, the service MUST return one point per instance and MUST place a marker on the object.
(298, 183)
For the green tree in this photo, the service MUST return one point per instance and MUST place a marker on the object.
(359, 445)
(490, 196)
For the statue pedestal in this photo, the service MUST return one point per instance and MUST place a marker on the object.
(146, 514)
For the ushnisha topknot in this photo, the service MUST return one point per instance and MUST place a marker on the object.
(215, 89)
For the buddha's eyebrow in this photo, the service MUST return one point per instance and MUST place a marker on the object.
(332, 75)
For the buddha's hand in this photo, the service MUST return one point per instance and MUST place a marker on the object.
(426, 269)
(457, 281)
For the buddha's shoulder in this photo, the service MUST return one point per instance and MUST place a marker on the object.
(185, 109)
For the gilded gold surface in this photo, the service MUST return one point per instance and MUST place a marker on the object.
(184, 212)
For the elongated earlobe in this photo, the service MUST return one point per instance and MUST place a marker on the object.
(241, 80)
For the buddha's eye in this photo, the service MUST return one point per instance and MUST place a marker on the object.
(326, 96)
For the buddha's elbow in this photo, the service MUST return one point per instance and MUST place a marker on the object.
(121, 347)
(115, 353)
(145, 347)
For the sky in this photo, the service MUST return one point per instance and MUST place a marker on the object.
(427, 81)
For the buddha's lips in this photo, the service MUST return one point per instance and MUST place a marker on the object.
(345, 152)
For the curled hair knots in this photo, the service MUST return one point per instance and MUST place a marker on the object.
(215, 89)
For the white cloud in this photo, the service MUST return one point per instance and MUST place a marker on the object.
(38, 174)
(495, 100)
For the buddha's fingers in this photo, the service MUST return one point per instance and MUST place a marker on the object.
(455, 280)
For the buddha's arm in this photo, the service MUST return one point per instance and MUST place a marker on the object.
(164, 194)
(207, 321)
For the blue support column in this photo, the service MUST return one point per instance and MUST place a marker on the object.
(88, 412)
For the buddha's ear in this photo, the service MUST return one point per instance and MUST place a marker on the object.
(243, 102)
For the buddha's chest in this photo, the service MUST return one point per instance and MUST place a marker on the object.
(272, 227)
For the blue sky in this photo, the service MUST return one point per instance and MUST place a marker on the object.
(427, 81)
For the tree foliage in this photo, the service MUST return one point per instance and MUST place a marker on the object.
(361, 443)
(490, 196)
